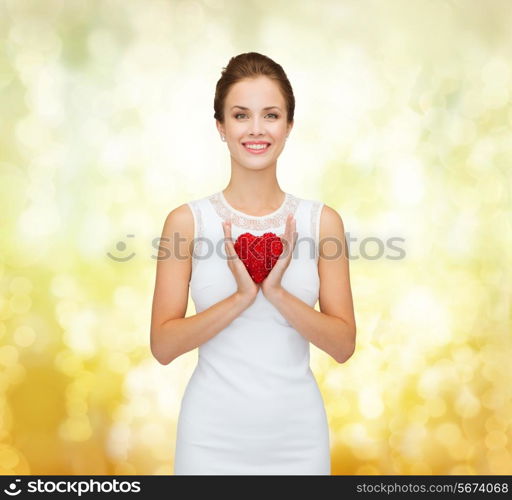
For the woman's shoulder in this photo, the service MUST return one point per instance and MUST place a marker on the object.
(328, 217)
(180, 220)
(331, 223)
(185, 217)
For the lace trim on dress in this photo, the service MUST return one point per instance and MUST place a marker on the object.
(255, 223)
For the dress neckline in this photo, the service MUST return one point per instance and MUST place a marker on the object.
(243, 214)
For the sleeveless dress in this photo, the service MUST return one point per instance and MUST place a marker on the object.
(252, 404)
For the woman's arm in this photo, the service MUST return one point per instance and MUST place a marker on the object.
(334, 328)
(171, 333)
(177, 336)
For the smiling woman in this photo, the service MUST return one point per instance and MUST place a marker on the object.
(255, 127)
(252, 405)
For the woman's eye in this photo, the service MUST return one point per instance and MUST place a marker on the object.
(269, 114)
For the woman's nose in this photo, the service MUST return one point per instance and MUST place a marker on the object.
(256, 126)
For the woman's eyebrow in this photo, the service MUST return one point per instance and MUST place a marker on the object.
(268, 107)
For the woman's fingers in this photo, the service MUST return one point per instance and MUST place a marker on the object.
(230, 249)
(290, 227)
(290, 234)
(295, 234)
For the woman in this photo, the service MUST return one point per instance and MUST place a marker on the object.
(252, 405)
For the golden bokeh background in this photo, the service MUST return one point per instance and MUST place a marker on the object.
(403, 125)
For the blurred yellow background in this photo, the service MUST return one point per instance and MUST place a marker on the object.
(403, 125)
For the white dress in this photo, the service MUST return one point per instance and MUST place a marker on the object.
(252, 404)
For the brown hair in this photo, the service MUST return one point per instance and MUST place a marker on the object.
(251, 65)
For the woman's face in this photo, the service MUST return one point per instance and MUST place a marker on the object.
(255, 112)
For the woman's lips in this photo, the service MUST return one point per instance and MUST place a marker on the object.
(257, 151)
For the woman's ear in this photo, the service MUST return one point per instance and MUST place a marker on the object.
(220, 128)
(290, 126)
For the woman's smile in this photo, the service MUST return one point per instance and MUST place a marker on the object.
(256, 147)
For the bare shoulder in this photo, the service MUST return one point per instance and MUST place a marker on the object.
(181, 218)
(179, 223)
(332, 229)
(330, 218)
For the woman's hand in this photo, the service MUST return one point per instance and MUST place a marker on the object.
(272, 283)
(247, 288)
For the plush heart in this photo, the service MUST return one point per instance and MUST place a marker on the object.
(258, 253)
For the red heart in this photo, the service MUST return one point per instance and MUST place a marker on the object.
(258, 253)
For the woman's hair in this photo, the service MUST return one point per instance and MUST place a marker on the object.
(251, 65)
